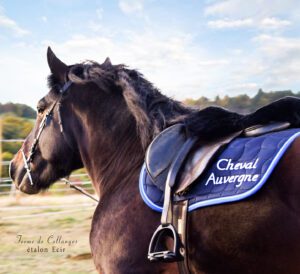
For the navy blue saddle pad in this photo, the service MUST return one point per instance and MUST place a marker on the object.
(238, 172)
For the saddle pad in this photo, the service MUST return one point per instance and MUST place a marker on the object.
(237, 172)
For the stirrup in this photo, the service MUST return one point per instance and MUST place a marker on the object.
(168, 256)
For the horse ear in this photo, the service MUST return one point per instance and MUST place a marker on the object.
(57, 67)
(107, 62)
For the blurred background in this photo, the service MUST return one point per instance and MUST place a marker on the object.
(236, 54)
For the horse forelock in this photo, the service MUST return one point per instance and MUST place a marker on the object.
(90, 71)
(53, 83)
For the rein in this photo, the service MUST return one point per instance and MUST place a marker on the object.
(80, 189)
(27, 160)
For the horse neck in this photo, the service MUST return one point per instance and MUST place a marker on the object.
(114, 158)
(111, 159)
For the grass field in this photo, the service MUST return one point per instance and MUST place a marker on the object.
(45, 234)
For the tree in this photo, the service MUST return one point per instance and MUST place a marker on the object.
(15, 127)
(20, 110)
(242, 103)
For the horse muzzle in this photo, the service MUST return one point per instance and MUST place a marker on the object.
(19, 176)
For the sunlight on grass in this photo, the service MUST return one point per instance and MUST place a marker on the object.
(47, 232)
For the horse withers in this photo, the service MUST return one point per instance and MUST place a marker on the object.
(103, 117)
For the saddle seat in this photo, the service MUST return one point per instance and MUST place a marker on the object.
(164, 149)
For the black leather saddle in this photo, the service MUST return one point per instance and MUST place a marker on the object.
(195, 156)
(162, 152)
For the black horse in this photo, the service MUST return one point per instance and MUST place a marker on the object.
(103, 117)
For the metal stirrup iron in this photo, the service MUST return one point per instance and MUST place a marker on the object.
(167, 229)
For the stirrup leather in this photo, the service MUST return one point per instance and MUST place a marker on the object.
(166, 228)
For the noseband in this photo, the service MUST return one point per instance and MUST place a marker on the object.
(44, 123)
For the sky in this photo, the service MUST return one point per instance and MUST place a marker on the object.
(188, 49)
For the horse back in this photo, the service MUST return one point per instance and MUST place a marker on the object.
(286, 178)
(256, 235)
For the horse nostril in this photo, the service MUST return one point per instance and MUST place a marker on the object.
(11, 170)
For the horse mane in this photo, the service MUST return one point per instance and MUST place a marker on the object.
(152, 110)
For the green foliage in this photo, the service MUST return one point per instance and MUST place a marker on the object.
(11, 147)
(15, 127)
(20, 110)
(242, 103)
(7, 156)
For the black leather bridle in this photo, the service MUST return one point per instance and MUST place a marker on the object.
(44, 123)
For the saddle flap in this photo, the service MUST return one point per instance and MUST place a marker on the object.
(199, 159)
(163, 149)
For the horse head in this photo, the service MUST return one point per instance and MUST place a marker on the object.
(51, 150)
(93, 115)
(48, 152)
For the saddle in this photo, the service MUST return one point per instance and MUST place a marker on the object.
(174, 161)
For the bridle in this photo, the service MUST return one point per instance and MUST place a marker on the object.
(46, 119)
(44, 123)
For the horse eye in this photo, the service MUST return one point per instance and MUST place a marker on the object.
(40, 110)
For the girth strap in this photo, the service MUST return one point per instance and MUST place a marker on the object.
(180, 216)
(166, 217)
